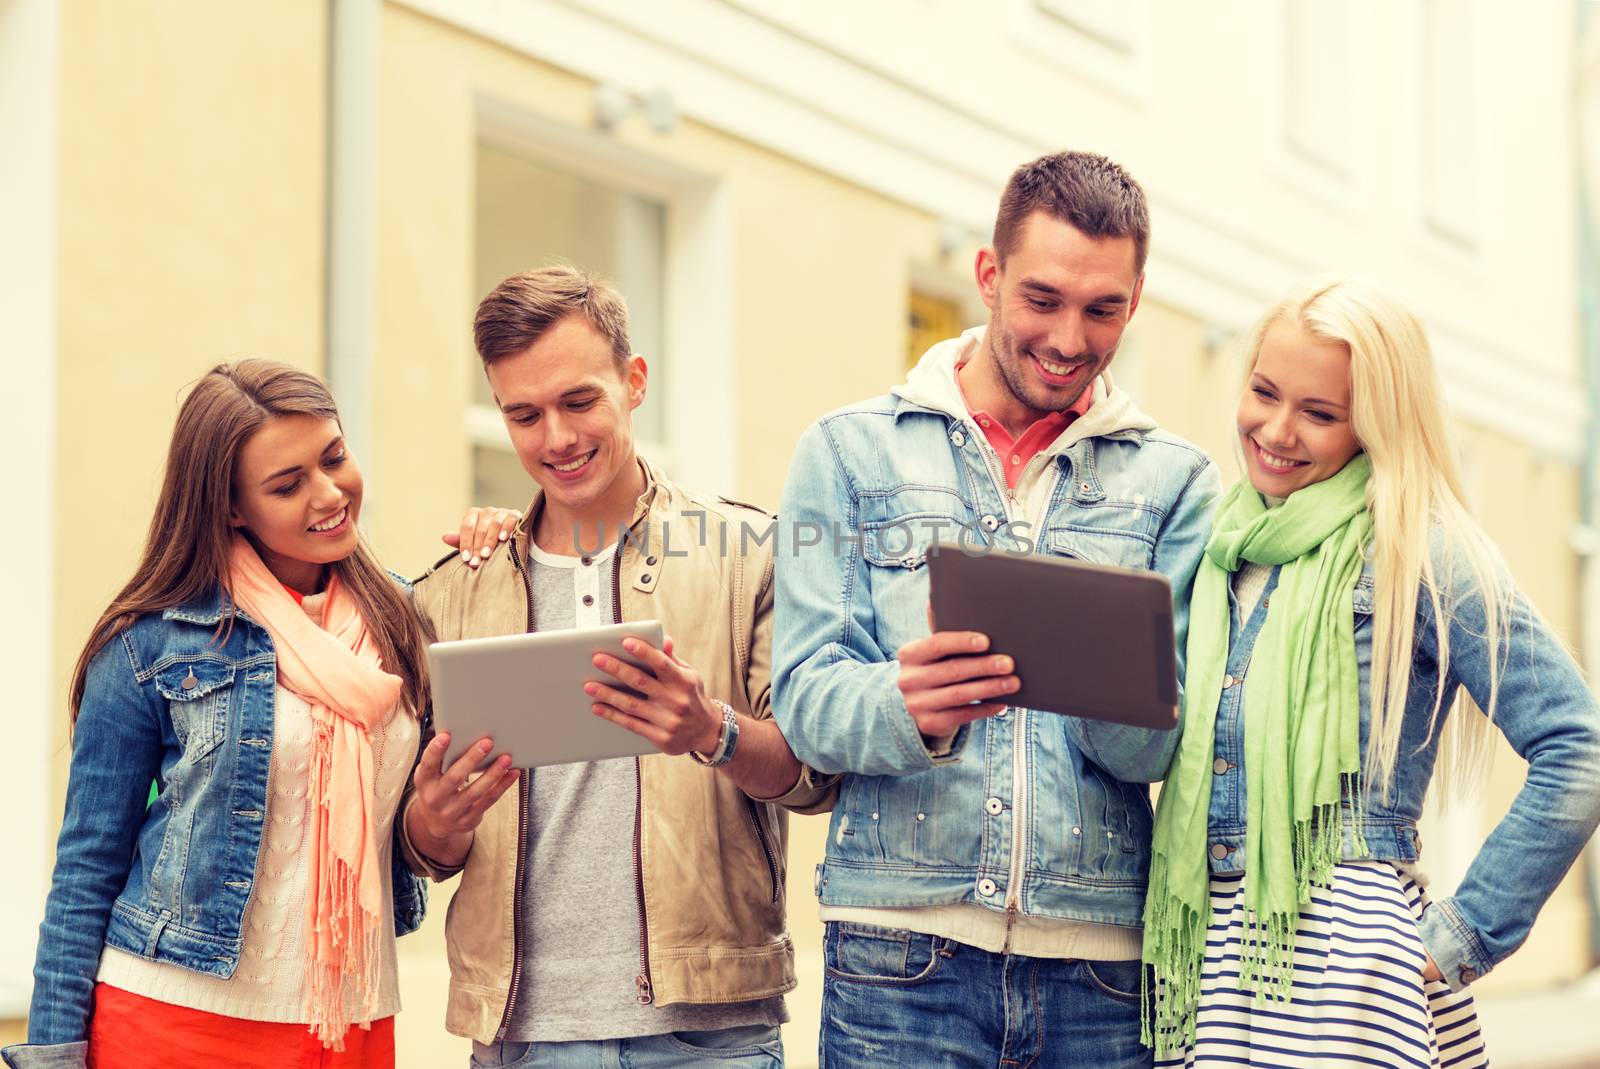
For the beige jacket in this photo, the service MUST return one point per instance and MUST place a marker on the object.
(709, 861)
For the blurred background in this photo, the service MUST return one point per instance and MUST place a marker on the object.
(790, 196)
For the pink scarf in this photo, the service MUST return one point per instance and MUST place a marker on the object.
(337, 671)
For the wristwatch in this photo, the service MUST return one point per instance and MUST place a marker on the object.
(726, 743)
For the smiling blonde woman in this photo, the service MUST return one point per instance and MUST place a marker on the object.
(1348, 623)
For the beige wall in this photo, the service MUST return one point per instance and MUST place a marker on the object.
(190, 233)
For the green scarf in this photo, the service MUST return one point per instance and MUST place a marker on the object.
(1302, 741)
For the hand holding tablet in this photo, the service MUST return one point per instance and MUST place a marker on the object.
(1086, 640)
(527, 692)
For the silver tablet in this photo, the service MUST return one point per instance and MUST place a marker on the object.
(1088, 640)
(526, 693)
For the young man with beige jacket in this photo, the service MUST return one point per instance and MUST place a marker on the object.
(627, 911)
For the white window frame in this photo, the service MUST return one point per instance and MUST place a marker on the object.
(697, 311)
(1451, 133)
(1105, 42)
(1325, 167)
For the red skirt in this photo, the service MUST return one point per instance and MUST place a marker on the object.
(128, 1031)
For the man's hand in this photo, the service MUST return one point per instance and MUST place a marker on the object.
(674, 714)
(447, 809)
(941, 676)
(482, 531)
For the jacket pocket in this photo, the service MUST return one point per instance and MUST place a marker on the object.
(1099, 547)
(197, 693)
(896, 556)
(765, 842)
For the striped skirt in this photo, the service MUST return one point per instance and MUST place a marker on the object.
(1359, 998)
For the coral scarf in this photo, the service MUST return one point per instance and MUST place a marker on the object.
(336, 670)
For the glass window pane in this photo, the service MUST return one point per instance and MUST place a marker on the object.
(530, 214)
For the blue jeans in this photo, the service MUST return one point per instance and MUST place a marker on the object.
(755, 1046)
(892, 997)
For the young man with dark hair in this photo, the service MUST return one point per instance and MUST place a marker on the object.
(986, 865)
(627, 911)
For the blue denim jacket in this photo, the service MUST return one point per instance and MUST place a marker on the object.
(1059, 800)
(163, 701)
(1545, 711)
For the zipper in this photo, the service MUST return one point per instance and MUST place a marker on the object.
(1019, 769)
(646, 993)
(766, 847)
(1019, 723)
(525, 798)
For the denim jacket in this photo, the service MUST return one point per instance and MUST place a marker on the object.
(1044, 813)
(1546, 712)
(164, 701)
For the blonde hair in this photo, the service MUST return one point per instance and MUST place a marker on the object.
(1416, 498)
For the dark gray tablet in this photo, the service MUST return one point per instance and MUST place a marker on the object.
(526, 693)
(1088, 640)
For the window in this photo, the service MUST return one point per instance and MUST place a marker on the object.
(1317, 90)
(1111, 22)
(1449, 119)
(531, 213)
(930, 319)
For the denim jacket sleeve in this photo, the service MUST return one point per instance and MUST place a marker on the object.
(835, 692)
(812, 792)
(1140, 755)
(116, 752)
(1547, 713)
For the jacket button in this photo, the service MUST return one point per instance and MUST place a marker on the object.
(189, 681)
(1077, 831)
(588, 561)
(989, 523)
(650, 561)
(1468, 974)
(958, 439)
(986, 887)
(1220, 765)
(994, 807)
(588, 599)
(645, 578)
(1219, 850)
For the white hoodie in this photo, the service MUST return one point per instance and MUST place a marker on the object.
(932, 384)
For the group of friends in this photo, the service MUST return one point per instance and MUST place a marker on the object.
(998, 890)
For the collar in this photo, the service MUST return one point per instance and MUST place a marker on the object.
(648, 499)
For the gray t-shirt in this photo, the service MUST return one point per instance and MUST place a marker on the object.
(580, 907)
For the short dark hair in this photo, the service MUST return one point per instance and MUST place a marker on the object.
(1082, 189)
(521, 309)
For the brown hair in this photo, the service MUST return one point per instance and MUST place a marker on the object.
(521, 309)
(186, 553)
(1082, 189)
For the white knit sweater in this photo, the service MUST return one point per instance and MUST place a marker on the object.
(269, 983)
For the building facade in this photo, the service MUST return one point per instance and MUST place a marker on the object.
(791, 197)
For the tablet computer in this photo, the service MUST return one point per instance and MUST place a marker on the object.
(526, 693)
(1088, 640)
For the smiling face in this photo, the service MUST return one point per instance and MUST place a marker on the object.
(568, 407)
(297, 495)
(1057, 309)
(1294, 416)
